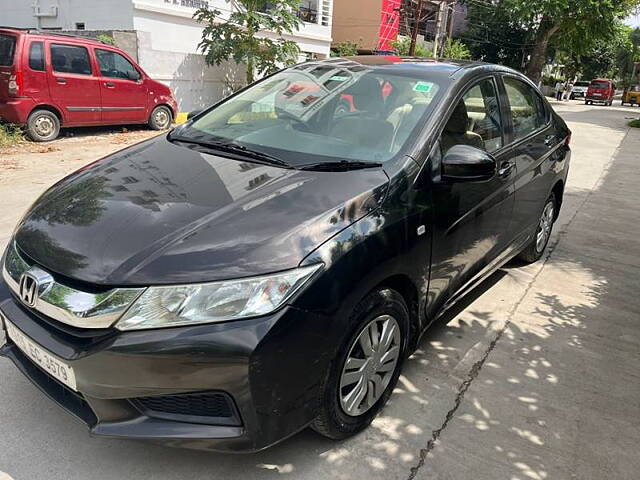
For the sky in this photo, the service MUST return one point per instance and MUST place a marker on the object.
(633, 20)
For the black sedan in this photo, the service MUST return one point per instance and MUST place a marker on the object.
(270, 264)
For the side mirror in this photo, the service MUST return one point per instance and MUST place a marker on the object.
(193, 113)
(463, 163)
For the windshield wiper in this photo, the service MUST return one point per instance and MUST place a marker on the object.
(230, 147)
(341, 166)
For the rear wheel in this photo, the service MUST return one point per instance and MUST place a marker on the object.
(160, 118)
(43, 126)
(367, 366)
(533, 252)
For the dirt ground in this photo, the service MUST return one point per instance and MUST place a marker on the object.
(28, 168)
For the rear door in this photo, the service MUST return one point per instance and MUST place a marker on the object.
(533, 139)
(125, 96)
(8, 43)
(73, 85)
(35, 71)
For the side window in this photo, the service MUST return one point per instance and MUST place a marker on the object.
(70, 59)
(36, 56)
(526, 106)
(476, 120)
(114, 65)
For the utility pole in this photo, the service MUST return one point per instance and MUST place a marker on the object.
(416, 28)
(438, 28)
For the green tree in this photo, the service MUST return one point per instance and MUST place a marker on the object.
(236, 38)
(456, 49)
(578, 23)
(402, 45)
(493, 35)
(344, 49)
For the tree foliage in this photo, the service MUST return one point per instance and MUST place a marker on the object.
(344, 49)
(456, 49)
(495, 36)
(237, 37)
(577, 24)
(402, 44)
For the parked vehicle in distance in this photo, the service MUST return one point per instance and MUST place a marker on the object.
(49, 81)
(579, 89)
(270, 264)
(631, 95)
(600, 90)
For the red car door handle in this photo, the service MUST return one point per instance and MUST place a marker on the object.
(61, 81)
(109, 84)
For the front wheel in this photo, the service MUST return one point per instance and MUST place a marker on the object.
(533, 252)
(367, 366)
(160, 118)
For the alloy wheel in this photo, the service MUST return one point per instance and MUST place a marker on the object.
(370, 365)
(545, 226)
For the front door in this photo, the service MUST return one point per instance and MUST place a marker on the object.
(471, 219)
(73, 85)
(124, 94)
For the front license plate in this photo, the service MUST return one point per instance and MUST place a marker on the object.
(50, 364)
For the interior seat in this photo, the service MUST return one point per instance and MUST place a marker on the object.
(456, 131)
(365, 128)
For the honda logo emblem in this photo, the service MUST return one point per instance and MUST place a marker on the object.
(33, 284)
(29, 289)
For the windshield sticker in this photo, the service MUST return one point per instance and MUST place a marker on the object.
(423, 87)
(339, 78)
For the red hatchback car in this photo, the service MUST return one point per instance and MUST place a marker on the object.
(601, 90)
(48, 81)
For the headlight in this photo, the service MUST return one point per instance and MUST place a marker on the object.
(160, 307)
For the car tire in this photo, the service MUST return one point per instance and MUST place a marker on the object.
(334, 419)
(43, 126)
(535, 249)
(160, 118)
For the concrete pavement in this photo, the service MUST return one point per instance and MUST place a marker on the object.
(534, 377)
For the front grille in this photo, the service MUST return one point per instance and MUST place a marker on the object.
(215, 408)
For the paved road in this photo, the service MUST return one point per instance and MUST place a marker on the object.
(537, 376)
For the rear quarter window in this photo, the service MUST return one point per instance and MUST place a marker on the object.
(7, 50)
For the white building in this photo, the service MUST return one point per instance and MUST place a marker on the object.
(166, 36)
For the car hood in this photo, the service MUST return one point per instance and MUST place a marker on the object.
(159, 213)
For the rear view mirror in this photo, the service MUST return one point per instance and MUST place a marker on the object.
(193, 113)
(463, 163)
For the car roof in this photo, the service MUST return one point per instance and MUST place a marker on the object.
(408, 65)
(51, 35)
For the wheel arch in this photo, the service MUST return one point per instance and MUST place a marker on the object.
(558, 192)
(407, 288)
(51, 109)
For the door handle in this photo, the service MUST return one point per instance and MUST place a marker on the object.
(505, 169)
(109, 84)
(61, 81)
(548, 140)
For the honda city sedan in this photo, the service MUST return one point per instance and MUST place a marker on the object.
(270, 264)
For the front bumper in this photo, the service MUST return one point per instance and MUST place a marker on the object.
(271, 368)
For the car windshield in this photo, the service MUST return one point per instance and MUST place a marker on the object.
(581, 84)
(599, 84)
(7, 48)
(321, 113)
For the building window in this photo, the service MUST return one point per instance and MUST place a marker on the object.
(80, 26)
